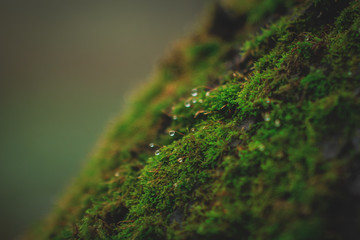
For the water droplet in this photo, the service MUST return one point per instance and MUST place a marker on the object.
(175, 117)
(194, 101)
(192, 129)
(277, 123)
(157, 152)
(307, 38)
(201, 101)
(117, 174)
(194, 92)
(349, 73)
(279, 154)
(151, 145)
(207, 94)
(261, 147)
(175, 185)
(267, 117)
(187, 104)
(268, 100)
(172, 133)
(180, 160)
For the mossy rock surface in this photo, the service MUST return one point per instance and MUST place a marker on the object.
(262, 104)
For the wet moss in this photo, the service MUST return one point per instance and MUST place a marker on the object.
(267, 148)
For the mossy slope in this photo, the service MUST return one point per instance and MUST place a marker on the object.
(266, 145)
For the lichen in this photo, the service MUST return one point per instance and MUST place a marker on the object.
(267, 149)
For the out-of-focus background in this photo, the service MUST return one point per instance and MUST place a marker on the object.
(65, 69)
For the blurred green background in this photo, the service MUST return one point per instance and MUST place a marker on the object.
(65, 70)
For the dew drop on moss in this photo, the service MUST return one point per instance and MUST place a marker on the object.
(267, 117)
(157, 152)
(151, 145)
(192, 129)
(261, 147)
(194, 101)
(180, 160)
(175, 117)
(279, 154)
(172, 133)
(187, 104)
(207, 94)
(194, 92)
(277, 123)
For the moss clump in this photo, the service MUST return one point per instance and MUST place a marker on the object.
(267, 137)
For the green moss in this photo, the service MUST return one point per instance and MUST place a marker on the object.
(264, 144)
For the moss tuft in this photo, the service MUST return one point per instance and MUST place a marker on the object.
(264, 144)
